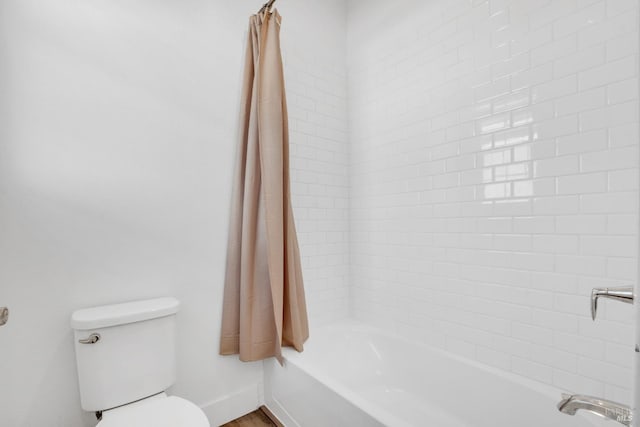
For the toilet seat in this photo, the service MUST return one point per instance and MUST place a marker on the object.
(157, 411)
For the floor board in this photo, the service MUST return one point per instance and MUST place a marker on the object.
(256, 418)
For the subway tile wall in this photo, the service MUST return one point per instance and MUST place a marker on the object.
(494, 180)
(316, 84)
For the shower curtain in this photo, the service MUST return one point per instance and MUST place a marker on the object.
(264, 304)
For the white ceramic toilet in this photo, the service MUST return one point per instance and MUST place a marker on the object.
(125, 355)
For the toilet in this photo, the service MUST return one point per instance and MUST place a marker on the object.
(125, 355)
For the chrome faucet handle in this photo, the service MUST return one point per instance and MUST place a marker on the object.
(624, 294)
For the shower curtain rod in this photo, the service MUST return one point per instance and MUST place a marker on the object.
(267, 6)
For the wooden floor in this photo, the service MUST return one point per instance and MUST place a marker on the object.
(256, 418)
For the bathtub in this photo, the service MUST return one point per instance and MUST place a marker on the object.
(351, 374)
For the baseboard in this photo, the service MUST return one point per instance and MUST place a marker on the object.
(234, 405)
(277, 410)
(271, 416)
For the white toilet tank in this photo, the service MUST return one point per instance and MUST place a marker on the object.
(134, 356)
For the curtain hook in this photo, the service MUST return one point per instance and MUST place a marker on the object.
(266, 8)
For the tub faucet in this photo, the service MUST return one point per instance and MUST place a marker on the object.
(605, 408)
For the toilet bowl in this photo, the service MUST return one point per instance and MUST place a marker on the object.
(125, 358)
(156, 411)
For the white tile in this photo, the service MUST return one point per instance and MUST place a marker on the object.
(554, 358)
(624, 180)
(514, 100)
(555, 320)
(619, 394)
(554, 282)
(561, 205)
(581, 224)
(521, 40)
(610, 72)
(624, 246)
(495, 225)
(622, 268)
(531, 333)
(556, 166)
(554, 89)
(616, 7)
(492, 90)
(622, 224)
(621, 355)
(581, 18)
(624, 135)
(554, 50)
(534, 113)
(581, 101)
(555, 127)
(556, 244)
(617, 159)
(583, 346)
(621, 202)
(581, 265)
(610, 116)
(583, 183)
(512, 242)
(551, 11)
(534, 225)
(493, 123)
(582, 142)
(579, 61)
(607, 30)
(604, 371)
(615, 332)
(571, 382)
(513, 65)
(622, 46)
(535, 151)
(623, 91)
(535, 75)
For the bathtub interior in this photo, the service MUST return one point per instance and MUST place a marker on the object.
(401, 383)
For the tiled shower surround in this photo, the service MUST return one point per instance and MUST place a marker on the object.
(494, 180)
(316, 83)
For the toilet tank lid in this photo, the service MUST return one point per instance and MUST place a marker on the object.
(120, 314)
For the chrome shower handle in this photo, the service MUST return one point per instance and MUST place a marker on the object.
(624, 294)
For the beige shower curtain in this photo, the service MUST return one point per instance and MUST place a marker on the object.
(264, 304)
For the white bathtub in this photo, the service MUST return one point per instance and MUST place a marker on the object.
(353, 375)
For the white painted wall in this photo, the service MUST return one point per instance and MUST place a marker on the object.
(117, 138)
(494, 164)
